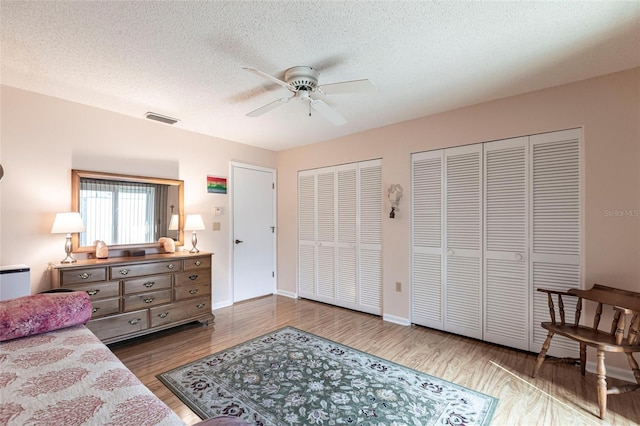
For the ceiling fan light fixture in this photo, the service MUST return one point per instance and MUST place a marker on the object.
(161, 118)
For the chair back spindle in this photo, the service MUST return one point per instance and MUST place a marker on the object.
(596, 318)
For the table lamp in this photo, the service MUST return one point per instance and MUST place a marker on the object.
(67, 223)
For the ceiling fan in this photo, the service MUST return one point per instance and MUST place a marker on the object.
(303, 82)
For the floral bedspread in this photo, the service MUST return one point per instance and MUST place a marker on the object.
(69, 377)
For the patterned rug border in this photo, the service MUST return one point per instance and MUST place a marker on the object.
(493, 401)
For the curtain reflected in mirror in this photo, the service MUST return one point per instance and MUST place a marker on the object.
(126, 210)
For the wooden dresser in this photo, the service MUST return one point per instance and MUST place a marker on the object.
(133, 296)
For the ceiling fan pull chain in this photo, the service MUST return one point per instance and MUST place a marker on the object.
(309, 108)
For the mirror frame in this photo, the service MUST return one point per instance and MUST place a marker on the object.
(75, 205)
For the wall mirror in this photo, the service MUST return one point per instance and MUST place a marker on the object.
(126, 211)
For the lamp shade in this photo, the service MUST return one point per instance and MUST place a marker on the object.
(67, 223)
(174, 223)
(194, 223)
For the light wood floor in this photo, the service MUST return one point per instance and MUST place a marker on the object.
(559, 396)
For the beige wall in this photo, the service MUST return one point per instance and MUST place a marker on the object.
(43, 138)
(607, 109)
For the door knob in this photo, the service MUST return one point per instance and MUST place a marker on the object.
(238, 241)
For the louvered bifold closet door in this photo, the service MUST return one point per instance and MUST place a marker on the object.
(370, 237)
(463, 241)
(426, 260)
(326, 219)
(555, 228)
(347, 264)
(506, 279)
(307, 233)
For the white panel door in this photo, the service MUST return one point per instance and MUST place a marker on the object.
(346, 246)
(426, 263)
(340, 235)
(253, 231)
(307, 233)
(326, 234)
(555, 190)
(370, 236)
(506, 278)
(463, 240)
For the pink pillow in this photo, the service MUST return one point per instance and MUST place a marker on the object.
(39, 313)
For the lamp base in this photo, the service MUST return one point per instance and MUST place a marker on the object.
(67, 249)
(194, 241)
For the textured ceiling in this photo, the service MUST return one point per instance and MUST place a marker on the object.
(185, 59)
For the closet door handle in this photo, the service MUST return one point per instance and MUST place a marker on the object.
(519, 256)
(450, 252)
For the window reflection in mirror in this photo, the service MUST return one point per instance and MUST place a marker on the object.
(125, 210)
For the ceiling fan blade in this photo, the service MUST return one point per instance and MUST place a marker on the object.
(268, 107)
(268, 77)
(354, 86)
(328, 112)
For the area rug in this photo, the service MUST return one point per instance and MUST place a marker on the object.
(291, 377)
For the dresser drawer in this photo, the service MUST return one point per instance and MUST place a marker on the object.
(136, 270)
(180, 311)
(85, 275)
(188, 291)
(118, 325)
(197, 263)
(145, 300)
(100, 308)
(191, 278)
(98, 290)
(153, 282)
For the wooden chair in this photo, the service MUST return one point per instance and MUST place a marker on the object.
(624, 303)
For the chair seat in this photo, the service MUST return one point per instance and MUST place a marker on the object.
(594, 338)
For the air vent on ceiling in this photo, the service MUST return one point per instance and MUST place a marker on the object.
(161, 118)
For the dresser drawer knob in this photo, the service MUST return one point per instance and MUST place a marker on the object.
(148, 300)
(124, 271)
(198, 263)
(94, 310)
(84, 276)
(163, 314)
(134, 321)
(149, 284)
(200, 305)
(93, 292)
(193, 291)
(193, 277)
(170, 266)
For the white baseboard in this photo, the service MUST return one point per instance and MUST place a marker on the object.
(223, 304)
(615, 372)
(396, 320)
(287, 294)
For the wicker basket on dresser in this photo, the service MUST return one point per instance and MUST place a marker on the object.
(133, 296)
